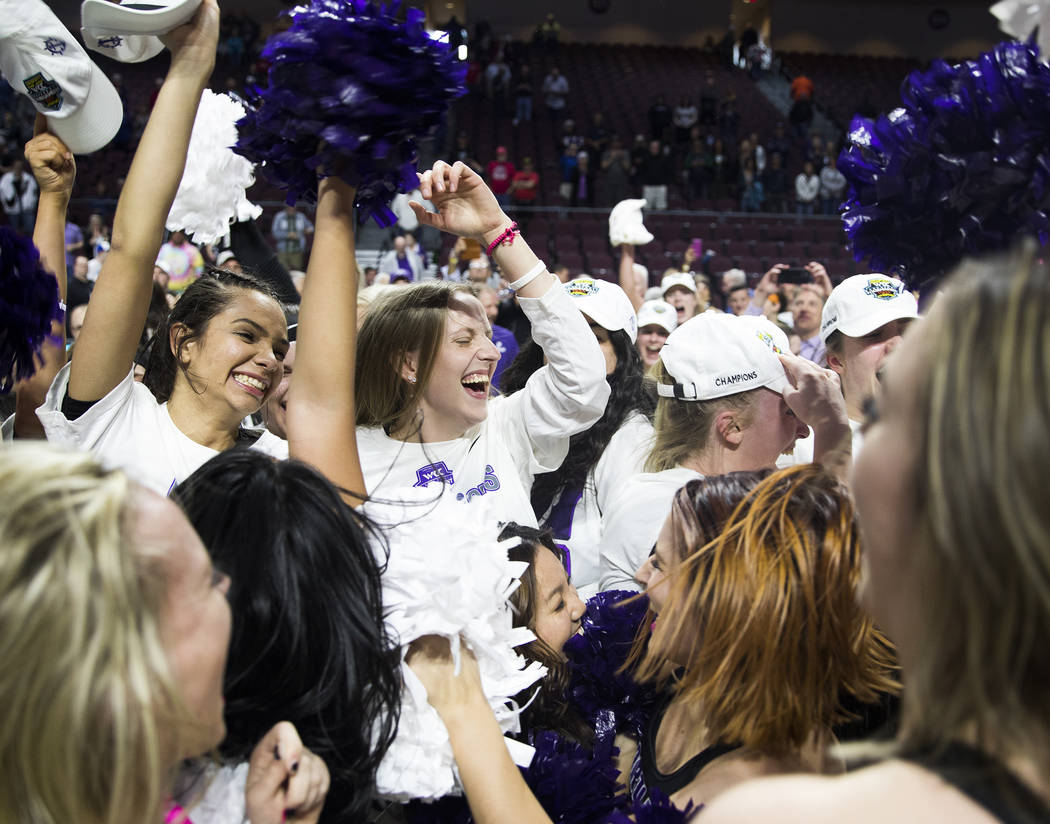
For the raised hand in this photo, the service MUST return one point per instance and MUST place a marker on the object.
(50, 162)
(193, 44)
(286, 782)
(815, 395)
(820, 277)
(465, 204)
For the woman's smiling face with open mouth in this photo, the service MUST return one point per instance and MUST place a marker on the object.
(456, 395)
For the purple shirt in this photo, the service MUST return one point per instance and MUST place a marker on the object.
(813, 350)
(73, 235)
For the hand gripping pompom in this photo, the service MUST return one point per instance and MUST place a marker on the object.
(212, 190)
(350, 89)
(625, 224)
(962, 168)
(447, 575)
(28, 305)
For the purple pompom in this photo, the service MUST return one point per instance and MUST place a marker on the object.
(962, 168)
(607, 698)
(350, 89)
(28, 305)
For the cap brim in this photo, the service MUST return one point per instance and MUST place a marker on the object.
(95, 122)
(870, 322)
(126, 48)
(156, 18)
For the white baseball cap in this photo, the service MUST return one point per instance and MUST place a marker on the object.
(605, 303)
(42, 60)
(681, 279)
(658, 312)
(862, 303)
(127, 31)
(714, 355)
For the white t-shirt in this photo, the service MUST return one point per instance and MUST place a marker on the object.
(217, 796)
(633, 525)
(129, 430)
(524, 434)
(578, 523)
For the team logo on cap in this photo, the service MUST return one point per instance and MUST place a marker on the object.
(767, 339)
(55, 46)
(582, 287)
(111, 42)
(45, 92)
(882, 288)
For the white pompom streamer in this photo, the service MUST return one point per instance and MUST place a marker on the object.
(1019, 18)
(625, 224)
(447, 575)
(212, 191)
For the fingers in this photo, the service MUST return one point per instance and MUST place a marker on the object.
(39, 125)
(426, 217)
(307, 788)
(276, 757)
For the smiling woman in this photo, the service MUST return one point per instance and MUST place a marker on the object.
(215, 359)
(425, 360)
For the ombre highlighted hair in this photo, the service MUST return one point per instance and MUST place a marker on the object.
(764, 620)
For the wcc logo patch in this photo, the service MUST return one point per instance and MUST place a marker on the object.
(434, 473)
(55, 46)
(767, 339)
(111, 42)
(883, 288)
(44, 91)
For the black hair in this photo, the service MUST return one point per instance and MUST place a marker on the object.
(203, 299)
(309, 642)
(629, 395)
(550, 709)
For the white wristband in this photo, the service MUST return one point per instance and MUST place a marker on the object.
(529, 276)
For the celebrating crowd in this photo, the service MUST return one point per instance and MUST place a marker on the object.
(733, 552)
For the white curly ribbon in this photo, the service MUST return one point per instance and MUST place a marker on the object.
(625, 224)
(448, 575)
(1018, 19)
(212, 191)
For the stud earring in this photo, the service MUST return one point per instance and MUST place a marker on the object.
(411, 378)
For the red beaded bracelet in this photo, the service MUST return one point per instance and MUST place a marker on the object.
(505, 238)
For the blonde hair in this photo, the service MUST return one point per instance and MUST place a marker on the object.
(681, 429)
(408, 319)
(765, 618)
(89, 709)
(983, 554)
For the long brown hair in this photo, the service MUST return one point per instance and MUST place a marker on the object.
(407, 319)
(765, 619)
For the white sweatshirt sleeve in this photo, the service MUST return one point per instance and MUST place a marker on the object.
(564, 397)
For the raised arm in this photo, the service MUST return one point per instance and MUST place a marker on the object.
(321, 397)
(627, 278)
(117, 311)
(495, 790)
(53, 167)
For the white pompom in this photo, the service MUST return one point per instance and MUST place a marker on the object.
(625, 224)
(449, 575)
(212, 191)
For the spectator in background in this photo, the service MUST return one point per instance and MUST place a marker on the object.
(616, 173)
(291, 231)
(738, 299)
(832, 187)
(548, 32)
(525, 185)
(500, 173)
(101, 203)
(523, 92)
(776, 185)
(758, 151)
(752, 195)
(582, 181)
(226, 259)
(465, 154)
(76, 320)
(567, 164)
(805, 312)
(555, 92)
(655, 173)
(685, 116)
(708, 115)
(729, 120)
(660, 117)
(78, 287)
(401, 262)
(95, 234)
(598, 137)
(801, 116)
(571, 137)
(74, 243)
(497, 80)
(815, 152)
(723, 171)
(779, 144)
(18, 193)
(807, 188)
(696, 170)
(801, 88)
(183, 259)
(561, 272)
